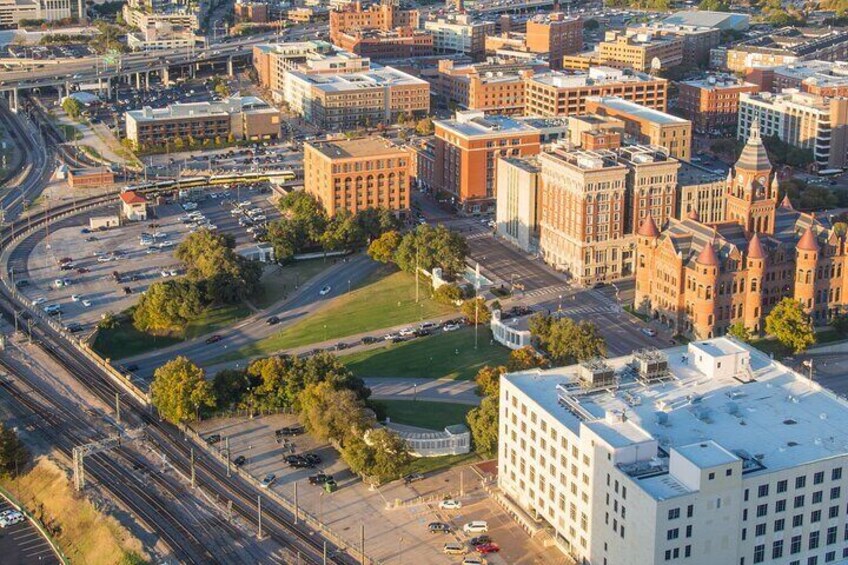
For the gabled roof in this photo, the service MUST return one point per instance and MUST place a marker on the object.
(786, 203)
(132, 197)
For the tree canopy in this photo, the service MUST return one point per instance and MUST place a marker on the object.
(739, 331)
(476, 310)
(179, 390)
(213, 263)
(565, 340)
(483, 423)
(168, 306)
(431, 247)
(13, 453)
(791, 325)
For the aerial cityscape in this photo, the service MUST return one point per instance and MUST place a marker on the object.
(479, 282)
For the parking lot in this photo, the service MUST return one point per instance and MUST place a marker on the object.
(396, 535)
(110, 268)
(23, 543)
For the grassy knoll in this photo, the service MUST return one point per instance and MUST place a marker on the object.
(449, 355)
(278, 282)
(424, 414)
(386, 299)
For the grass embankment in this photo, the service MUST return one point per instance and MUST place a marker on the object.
(429, 464)
(424, 414)
(446, 355)
(84, 534)
(278, 282)
(385, 299)
(124, 340)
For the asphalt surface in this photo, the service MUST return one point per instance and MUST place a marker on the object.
(23, 543)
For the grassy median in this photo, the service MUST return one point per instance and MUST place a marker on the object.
(424, 414)
(386, 299)
(445, 355)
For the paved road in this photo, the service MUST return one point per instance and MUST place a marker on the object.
(23, 543)
(439, 390)
(355, 270)
(829, 369)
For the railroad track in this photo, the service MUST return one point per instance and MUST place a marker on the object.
(277, 521)
(66, 430)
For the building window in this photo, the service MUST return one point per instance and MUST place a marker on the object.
(674, 513)
(759, 553)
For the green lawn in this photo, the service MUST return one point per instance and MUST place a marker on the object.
(278, 282)
(386, 299)
(126, 341)
(429, 464)
(444, 355)
(424, 414)
(771, 345)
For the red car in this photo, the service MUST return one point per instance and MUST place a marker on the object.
(214, 338)
(487, 548)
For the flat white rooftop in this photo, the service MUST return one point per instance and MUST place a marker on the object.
(780, 419)
(637, 110)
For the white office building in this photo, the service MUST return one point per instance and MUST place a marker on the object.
(711, 454)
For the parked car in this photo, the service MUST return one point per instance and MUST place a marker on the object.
(268, 480)
(21, 283)
(86, 302)
(480, 540)
(39, 300)
(11, 519)
(472, 561)
(273, 320)
(649, 332)
(412, 477)
(476, 526)
(450, 327)
(74, 327)
(313, 458)
(439, 527)
(367, 340)
(487, 548)
(319, 479)
(295, 430)
(450, 504)
(214, 338)
(454, 548)
(239, 461)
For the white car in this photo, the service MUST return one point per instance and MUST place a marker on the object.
(11, 518)
(105, 258)
(87, 303)
(39, 300)
(649, 332)
(472, 561)
(76, 297)
(325, 291)
(268, 480)
(477, 526)
(450, 327)
(407, 332)
(164, 274)
(59, 283)
(173, 272)
(450, 504)
(259, 218)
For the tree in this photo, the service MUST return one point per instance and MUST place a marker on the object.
(302, 206)
(525, 358)
(384, 247)
(167, 307)
(567, 341)
(286, 238)
(391, 455)
(476, 311)
(179, 390)
(483, 423)
(13, 453)
(72, 107)
(230, 386)
(425, 126)
(791, 325)
(374, 222)
(839, 323)
(333, 414)
(273, 378)
(739, 331)
(714, 5)
(591, 24)
(488, 380)
(342, 232)
(211, 260)
(429, 247)
(448, 294)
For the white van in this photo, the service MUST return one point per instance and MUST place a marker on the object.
(454, 548)
(477, 526)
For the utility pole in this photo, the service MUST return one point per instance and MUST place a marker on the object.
(296, 507)
(259, 513)
(476, 317)
(416, 272)
(325, 553)
(227, 449)
(192, 468)
(461, 483)
(117, 402)
(362, 542)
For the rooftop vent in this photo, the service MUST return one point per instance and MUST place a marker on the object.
(595, 373)
(651, 365)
